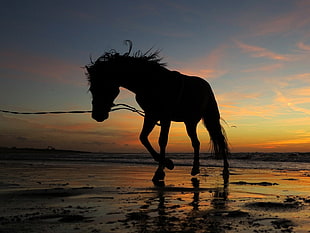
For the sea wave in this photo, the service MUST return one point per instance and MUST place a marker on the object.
(294, 161)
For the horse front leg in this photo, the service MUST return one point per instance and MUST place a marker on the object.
(191, 131)
(163, 141)
(148, 126)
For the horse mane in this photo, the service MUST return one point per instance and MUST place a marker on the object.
(138, 57)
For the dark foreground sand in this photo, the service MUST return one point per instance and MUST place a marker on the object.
(65, 197)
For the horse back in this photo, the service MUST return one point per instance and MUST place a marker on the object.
(174, 96)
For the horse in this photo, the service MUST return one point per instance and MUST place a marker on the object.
(164, 96)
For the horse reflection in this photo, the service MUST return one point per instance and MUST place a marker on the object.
(164, 96)
(167, 212)
(195, 202)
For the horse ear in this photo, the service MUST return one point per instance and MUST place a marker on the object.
(128, 42)
(91, 59)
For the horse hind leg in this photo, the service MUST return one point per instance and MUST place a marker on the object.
(196, 163)
(191, 131)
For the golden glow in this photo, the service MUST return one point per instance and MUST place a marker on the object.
(257, 65)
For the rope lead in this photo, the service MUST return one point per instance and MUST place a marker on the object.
(114, 108)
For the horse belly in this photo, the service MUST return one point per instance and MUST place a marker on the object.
(180, 101)
(192, 103)
(186, 114)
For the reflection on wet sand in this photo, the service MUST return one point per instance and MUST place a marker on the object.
(67, 198)
(172, 215)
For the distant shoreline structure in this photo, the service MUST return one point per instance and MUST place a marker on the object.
(37, 150)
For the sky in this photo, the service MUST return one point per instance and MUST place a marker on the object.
(254, 53)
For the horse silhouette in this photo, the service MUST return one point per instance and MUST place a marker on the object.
(164, 95)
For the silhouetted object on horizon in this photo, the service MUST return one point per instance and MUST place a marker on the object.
(164, 96)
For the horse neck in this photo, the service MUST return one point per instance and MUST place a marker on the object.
(137, 79)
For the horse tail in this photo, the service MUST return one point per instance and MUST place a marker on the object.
(211, 120)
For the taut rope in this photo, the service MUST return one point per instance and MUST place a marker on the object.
(38, 113)
(114, 108)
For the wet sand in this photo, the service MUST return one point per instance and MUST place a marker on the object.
(86, 197)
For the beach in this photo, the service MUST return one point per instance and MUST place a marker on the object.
(87, 196)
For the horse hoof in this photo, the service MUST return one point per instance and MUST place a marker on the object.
(159, 183)
(159, 175)
(195, 171)
(169, 164)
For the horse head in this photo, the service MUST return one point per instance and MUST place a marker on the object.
(112, 70)
(104, 91)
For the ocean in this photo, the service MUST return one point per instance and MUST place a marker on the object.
(278, 161)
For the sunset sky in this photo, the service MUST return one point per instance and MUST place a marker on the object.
(254, 53)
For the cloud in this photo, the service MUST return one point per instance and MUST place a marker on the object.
(267, 111)
(237, 96)
(303, 47)
(204, 73)
(208, 66)
(303, 77)
(278, 24)
(286, 142)
(257, 51)
(297, 18)
(73, 127)
(239, 105)
(265, 68)
(291, 95)
(293, 98)
(302, 92)
(295, 82)
(40, 68)
(299, 109)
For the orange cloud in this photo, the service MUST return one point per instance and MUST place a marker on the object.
(265, 68)
(235, 106)
(207, 66)
(302, 46)
(72, 127)
(304, 77)
(256, 51)
(242, 112)
(285, 142)
(303, 92)
(204, 73)
(293, 97)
